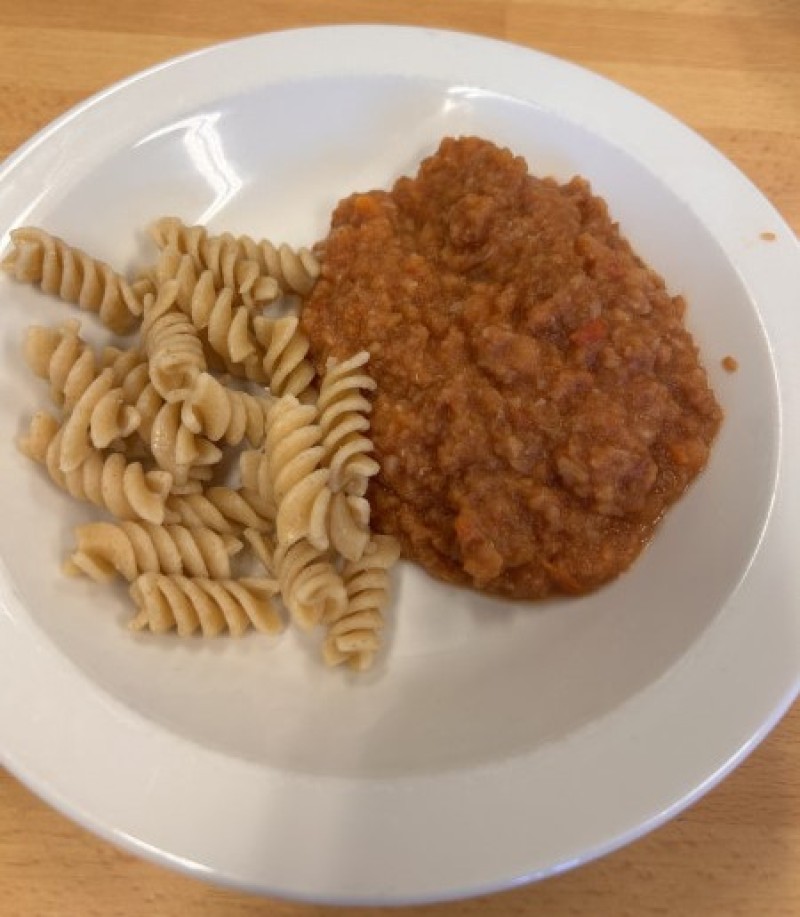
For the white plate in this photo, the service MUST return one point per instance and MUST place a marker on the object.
(497, 743)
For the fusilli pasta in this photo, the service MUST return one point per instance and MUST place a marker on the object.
(62, 357)
(310, 586)
(254, 475)
(222, 509)
(286, 369)
(296, 483)
(348, 524)
(175, 447)
(300, 509)
(213, 606)
(343, 420)
(296, 270)
(223, 255)
(137, 389)
(98, 417)
(263, 547)
(124, 488)
(105, 549)
(69, 273)
(222, 413)
(172, 344)
(70, 364)
(226, 324)
(353, 635)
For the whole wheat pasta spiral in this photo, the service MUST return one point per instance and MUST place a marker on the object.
(286, 369)
(310, 586)
(211, 606)
(132, 375)
(222, 509)
(300, 506)
(123, 363)
(70, 364)
(348, 524)
(223, 255)
(173, 265)
(263, 547)
(353, 636)
(297, 485)
(175, 447)
(105, 549)
(62, 357)
(222, 413)
(296, 270)
(254, 474)
(343, 420)
(98, 418)
(124, 488)
(226, 324)
(172, 343)
(172, 232)
(69, 273)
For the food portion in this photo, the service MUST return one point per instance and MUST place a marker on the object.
(216, 378)
(474, 368)
(539, 402)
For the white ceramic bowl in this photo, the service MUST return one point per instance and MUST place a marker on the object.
(495, 743)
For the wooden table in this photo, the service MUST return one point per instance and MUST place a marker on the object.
(730, 69)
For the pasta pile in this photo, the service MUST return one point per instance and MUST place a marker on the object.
(218, 377)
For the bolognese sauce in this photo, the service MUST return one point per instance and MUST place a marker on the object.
(540, 402)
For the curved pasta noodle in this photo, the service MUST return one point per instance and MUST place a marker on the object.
(189, 604)
(310, 586)
(172, 232)
(123, 363)
(62, 357)
(263, 547)
(296, 270)
(348, 524)
(111, 418)
(105, 549)
(173, 265)
(252, 465)
(250, 368)
(297, 485)
(343, 420)
(286, 369)
(175, 447)
(353, 636)
(172, 344)
(69, 363)
(61, 269)
(255, 476)
(221, 413)
(218, 313)
(124, 488)
(192, 485)
(223, 255)
(98, 418)
(222, 509)
(226, 324)
(137, 389)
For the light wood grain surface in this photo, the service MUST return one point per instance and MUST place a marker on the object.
(730, 69)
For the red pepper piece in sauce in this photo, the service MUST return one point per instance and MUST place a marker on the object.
(591, 332)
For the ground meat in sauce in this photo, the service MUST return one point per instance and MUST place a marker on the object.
(539, 401)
